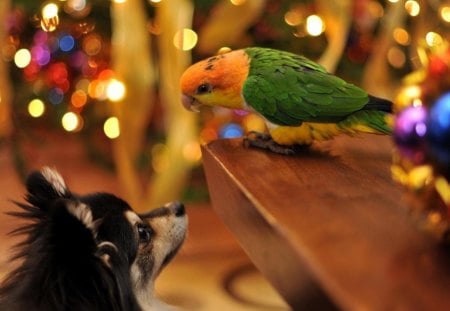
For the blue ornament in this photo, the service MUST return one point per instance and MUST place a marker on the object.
(231, 130)
(438, 134)
(409, 132)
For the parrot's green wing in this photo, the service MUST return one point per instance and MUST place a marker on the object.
(288, 89)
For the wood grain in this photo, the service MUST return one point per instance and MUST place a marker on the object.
(331, 214)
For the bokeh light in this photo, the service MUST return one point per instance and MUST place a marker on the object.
(412, 7)
(78, 98)
(192, 151)
(50, 10)
(66, 43)
(401, 36)
(50, 19)
(185, 39)
(56, 96)
(293, 17)
(433, 39)
(396, 57)
(22, 58)
(36, 108)
(231, 130)
(77, 5)
(314, 25)
(445, 13)
(92, 44)
(71, 122)
(111, 128)
(115, 90)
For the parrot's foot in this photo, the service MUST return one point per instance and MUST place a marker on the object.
(265, 141)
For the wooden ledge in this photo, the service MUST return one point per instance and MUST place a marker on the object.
(332, 215)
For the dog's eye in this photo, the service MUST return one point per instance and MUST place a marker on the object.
(145, 233)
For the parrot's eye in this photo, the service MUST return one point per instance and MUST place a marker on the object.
(204, 88)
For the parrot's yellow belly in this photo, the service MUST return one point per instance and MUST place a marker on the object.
(304, 134)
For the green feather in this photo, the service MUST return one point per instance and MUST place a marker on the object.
(288, 89)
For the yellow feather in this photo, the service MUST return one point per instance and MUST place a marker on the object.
(304, 134)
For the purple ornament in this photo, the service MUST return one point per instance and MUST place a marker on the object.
(438, 135)
(409, 132)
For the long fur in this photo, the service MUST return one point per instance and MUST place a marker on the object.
(84, 253)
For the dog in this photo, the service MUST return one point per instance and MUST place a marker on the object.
(89, 252)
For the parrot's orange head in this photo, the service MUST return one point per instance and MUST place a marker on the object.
(216, 81)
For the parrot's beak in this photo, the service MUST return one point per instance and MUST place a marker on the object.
(190, 103)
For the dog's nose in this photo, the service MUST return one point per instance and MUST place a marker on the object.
(177, 208)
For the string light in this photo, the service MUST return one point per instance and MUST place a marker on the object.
(401, 36)
(396, 57)
(433, 39)
(314, 25)
(22, 58)
(185, 39)
(50, 10)
(36, 108)
(71, 122)
(50, 18)
(412, 7)
(115, 90)
(78, 98)
(192, 152)
(111, 128)
(293, 17)
(445, 13)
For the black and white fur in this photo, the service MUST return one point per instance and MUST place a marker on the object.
(88, 252)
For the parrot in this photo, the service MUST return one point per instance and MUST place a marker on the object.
(299, 101)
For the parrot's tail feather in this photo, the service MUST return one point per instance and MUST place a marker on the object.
(367, 121)
(380, 104)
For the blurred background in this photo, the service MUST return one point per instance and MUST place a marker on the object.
(91, 86)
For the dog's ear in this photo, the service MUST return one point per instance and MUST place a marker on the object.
(45, 186)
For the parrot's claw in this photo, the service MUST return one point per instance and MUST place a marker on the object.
(265, 141)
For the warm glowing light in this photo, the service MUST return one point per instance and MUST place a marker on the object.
(396, 57)
(401, 36)
(82, 84)
(412, 7)
(77, 5)
(433, 39)
(92, 44)
(314, 25)
(155, 1)
(119, 1)
(115, 91)
(445, 13)
(293, 17)
(376, 9)
(237, 2)
(185, 39)
(111, 128)
(22, 58)
(36, 108)
(71, 121)
(413, 92)
(192, 151)
(78, 98)
(49, 11)
(393, 1)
